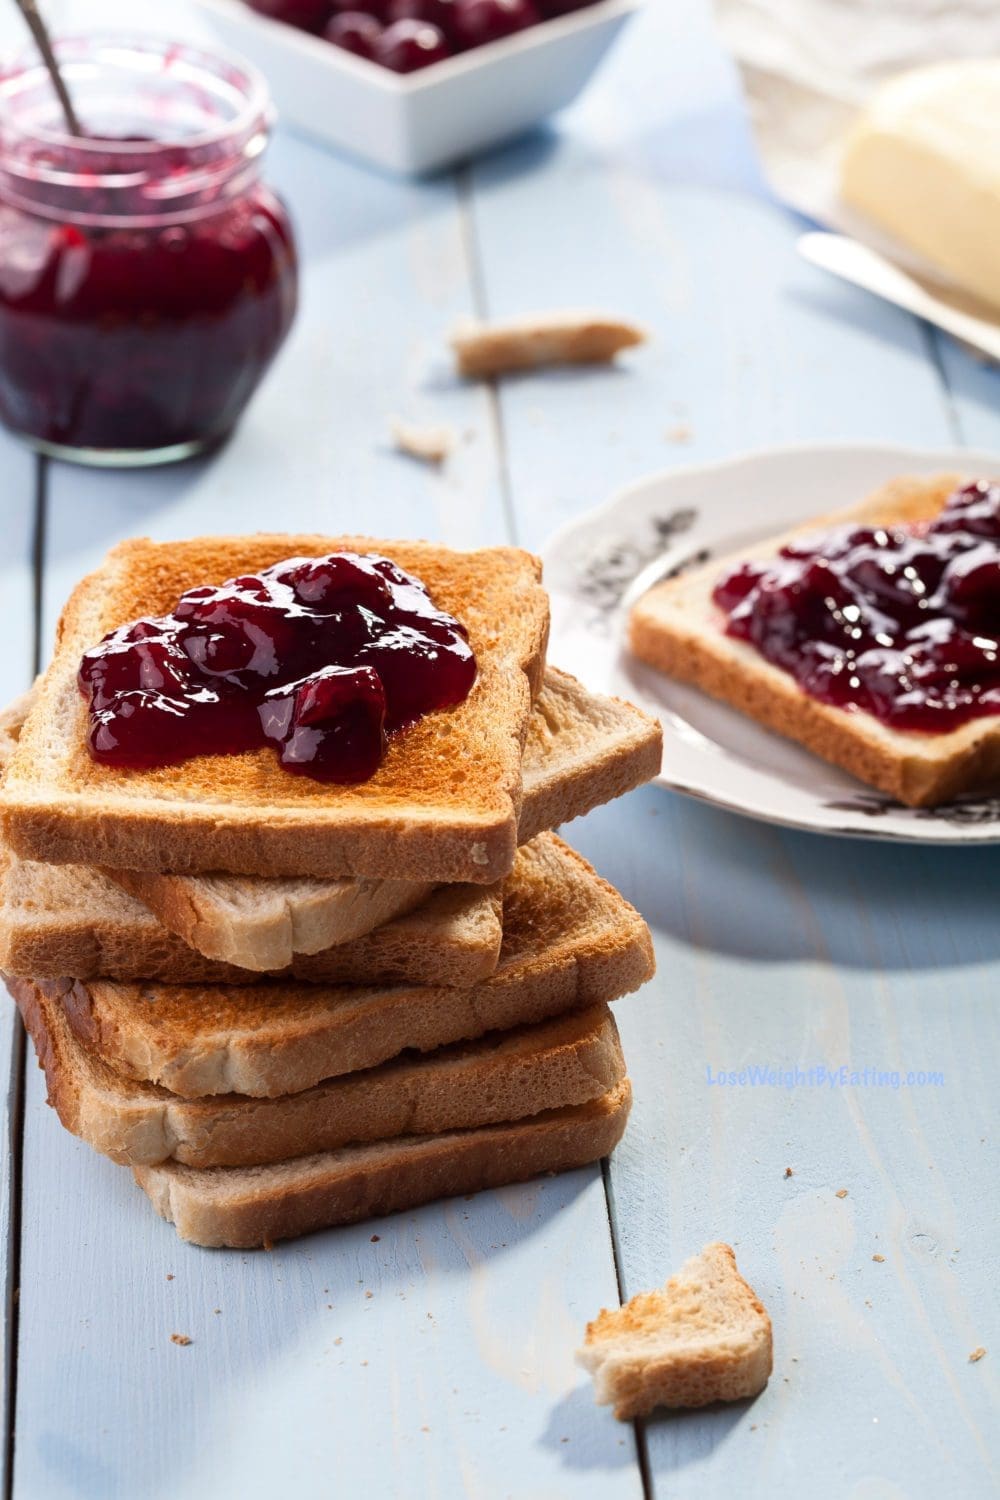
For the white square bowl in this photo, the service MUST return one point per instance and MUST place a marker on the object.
(418, 122)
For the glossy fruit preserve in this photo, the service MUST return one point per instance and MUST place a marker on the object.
(323, 658)
(902, 622)
(147, 276)
(407, 35)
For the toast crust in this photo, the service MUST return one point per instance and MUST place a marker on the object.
(69, 921)
(66, 921)
(570, 941)
(622, 751)
(511, 1077)
(246, 1208)
(443, 806)
(678, 630)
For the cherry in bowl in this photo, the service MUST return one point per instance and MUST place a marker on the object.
(478, 22)
(439, 13)
(305, 15)
(354, 31)
(406, 46)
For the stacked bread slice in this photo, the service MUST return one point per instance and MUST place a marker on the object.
(287, 1005)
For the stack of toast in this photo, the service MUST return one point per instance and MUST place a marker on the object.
(287, 1004)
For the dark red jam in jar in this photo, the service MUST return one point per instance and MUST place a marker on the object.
(147, 276)
(322, 657)
(902, 622)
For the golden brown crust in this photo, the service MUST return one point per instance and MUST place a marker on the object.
(443, 806)
(570, 941)
(675, 629)
(247, 1208)
(581, 749)
(453, 940)
(510, 1077)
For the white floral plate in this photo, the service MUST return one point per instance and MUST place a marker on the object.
(710, 751)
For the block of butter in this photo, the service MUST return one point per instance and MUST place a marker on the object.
(923, 162)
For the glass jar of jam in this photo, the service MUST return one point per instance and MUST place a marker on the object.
(147, 276)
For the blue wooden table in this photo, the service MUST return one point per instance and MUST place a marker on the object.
(437, 1359)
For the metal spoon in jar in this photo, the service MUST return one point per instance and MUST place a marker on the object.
(43, 42)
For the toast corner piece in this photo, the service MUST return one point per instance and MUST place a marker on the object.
(704, 1337)
(252, 1208)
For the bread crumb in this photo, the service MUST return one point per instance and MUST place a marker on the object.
(180, 1338)
(339, 1340)
(369, 1294)
(976, 1355)
(430, 444)
(375, 1238)
(879, 1258)
(788, 1173)
(169, 1277)
(841, 1193)
(542, 338)
(679, 433)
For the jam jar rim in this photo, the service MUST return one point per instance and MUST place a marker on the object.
(224, 154)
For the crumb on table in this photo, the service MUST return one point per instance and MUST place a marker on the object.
(180, 1338)
(432, 444)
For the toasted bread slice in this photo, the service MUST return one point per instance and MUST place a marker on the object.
(507, 1077)
(59, 921)
(581, 750)
(442, 807)
(704, 1337)
(570, 940)
(248, 1207)
(677, 628)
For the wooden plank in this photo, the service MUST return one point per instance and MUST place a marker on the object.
(773, 949)
(455, 1376)
(434, 1362)
(18, 468)
(777, 951)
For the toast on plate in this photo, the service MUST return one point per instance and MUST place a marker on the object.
(678, 629)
